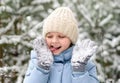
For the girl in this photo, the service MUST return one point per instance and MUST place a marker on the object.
(56, 57)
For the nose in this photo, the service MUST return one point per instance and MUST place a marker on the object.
(54, 40)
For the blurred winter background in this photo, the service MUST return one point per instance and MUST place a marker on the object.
(21, 21)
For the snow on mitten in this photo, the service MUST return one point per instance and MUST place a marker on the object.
(82, 52)
(44, 55)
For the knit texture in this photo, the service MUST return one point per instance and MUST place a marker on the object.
(82, 52)
(44, 55)
(63, 21)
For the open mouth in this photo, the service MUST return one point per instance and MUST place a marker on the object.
(53, 48)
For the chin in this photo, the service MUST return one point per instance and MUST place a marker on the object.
(55, 54)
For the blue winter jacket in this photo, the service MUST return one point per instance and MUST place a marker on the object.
(60, 72)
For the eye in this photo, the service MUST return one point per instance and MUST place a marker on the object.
(61, 36)
(49, 36)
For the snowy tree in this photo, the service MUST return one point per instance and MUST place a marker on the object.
(101, 22)
(21, 21)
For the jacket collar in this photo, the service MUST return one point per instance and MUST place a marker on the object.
(64, 56)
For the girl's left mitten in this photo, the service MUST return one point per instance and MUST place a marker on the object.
(82, 52)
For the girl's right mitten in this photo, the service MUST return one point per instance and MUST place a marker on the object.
(44, 55)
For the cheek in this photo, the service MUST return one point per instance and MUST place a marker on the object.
(67, 44)
(47, 41)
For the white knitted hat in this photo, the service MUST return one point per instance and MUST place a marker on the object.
(63, 21)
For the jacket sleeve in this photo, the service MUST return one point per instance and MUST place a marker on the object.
(34, 73)
(88, 76)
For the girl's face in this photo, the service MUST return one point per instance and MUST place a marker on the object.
(57, 42)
